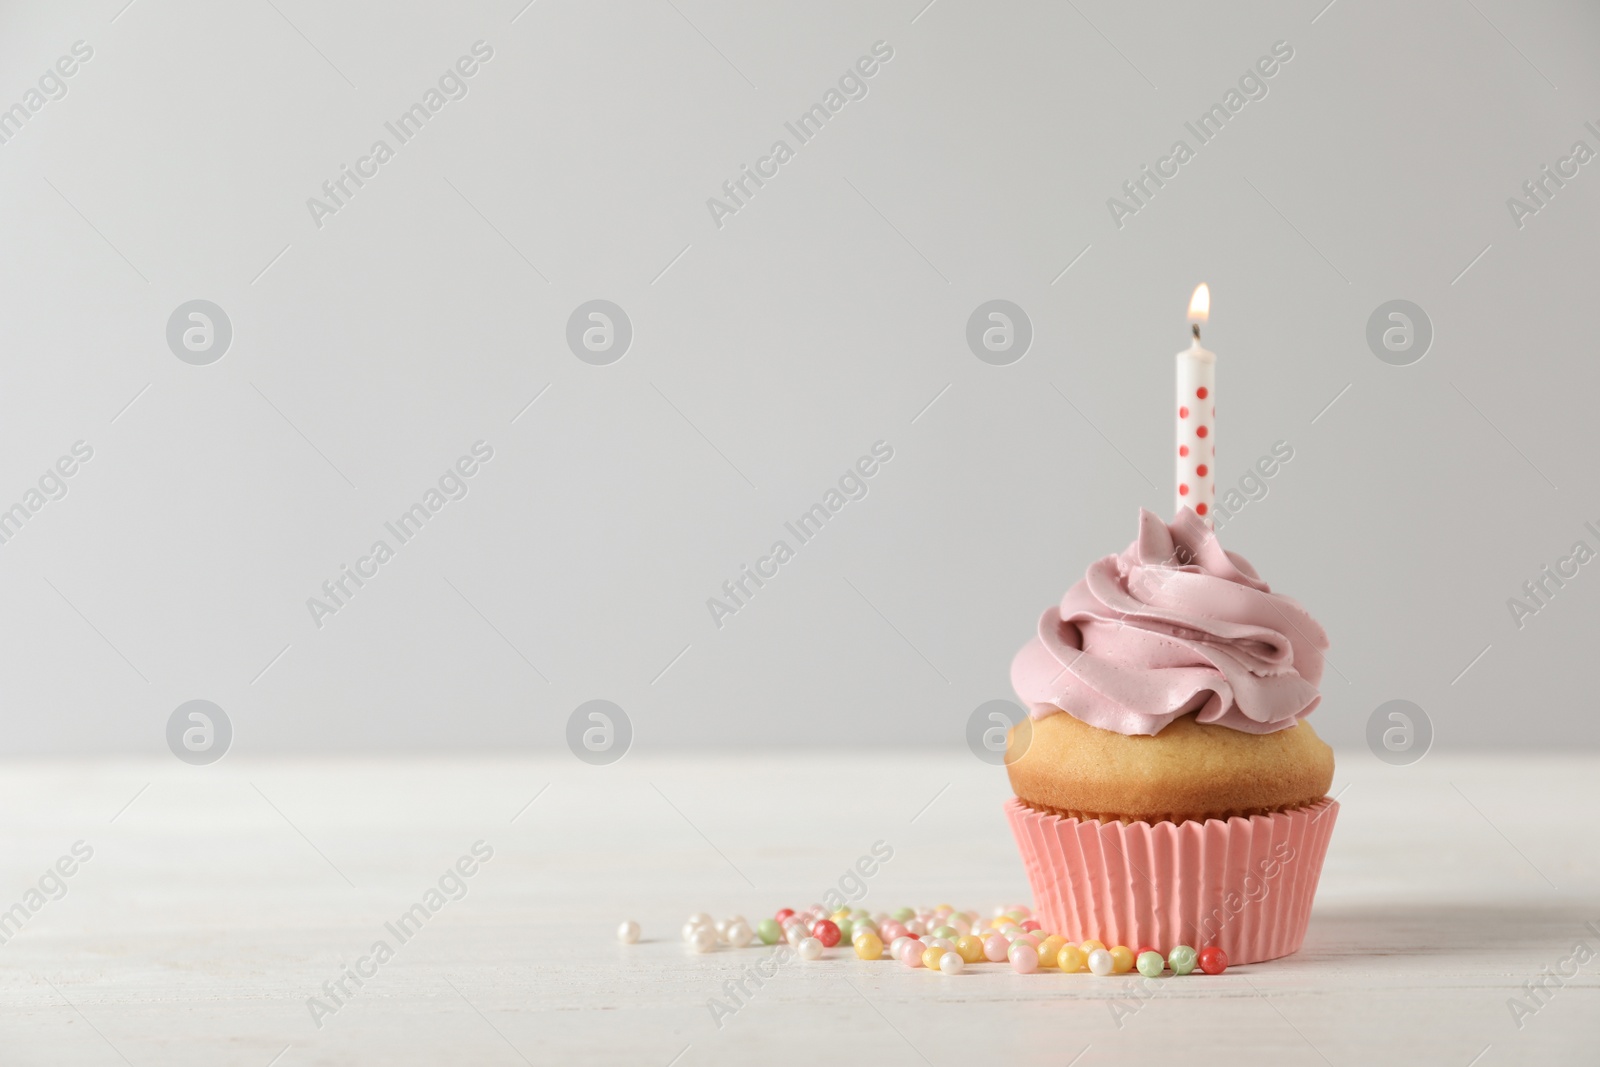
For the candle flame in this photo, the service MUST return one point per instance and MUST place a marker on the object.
(1200, 303)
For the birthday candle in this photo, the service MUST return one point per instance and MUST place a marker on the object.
(1196, 412)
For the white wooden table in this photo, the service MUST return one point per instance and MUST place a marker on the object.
(222, 898)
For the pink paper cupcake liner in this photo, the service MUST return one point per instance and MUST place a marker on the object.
(1244, 885)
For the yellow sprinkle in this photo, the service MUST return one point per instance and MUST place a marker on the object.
(1121, 959)
(869, 947)
(1049, 948)
(1071, 959)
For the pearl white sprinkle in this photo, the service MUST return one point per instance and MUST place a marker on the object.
(1101, 963)
(700, 918)
(795, 933)
(738, 933)
(810, 948)
(952, 963)
(704, 939)
(916, 926)
(628, 932)
(894, 947)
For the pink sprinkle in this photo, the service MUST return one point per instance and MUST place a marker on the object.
(1024, 957)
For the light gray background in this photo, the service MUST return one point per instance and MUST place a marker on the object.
(370, 354)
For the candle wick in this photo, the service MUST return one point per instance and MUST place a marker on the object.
(1196, 328)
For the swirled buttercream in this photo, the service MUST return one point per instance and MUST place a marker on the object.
(1173, 625)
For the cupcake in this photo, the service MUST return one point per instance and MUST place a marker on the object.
(1168, 788)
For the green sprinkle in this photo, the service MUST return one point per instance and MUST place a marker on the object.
(902, 915)
(769, 931)
(947, 932)
(1150, 964)
(1183, 959)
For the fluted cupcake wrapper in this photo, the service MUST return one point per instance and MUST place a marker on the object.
(1244, 885)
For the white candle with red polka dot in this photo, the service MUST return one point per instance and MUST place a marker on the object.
(1196, 412)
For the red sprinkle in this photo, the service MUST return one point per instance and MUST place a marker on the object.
(826, 931)
(1030, 926)
(1213, 960)
(784, 915)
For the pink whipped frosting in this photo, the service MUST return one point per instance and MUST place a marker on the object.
(1175, 624)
